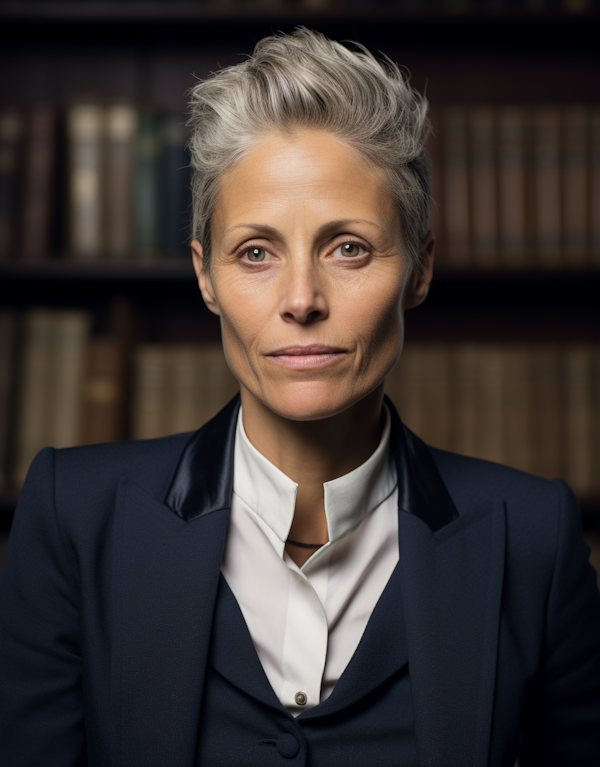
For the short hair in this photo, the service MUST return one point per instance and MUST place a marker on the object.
(305, 80)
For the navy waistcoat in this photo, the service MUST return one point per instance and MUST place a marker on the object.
(368, 718)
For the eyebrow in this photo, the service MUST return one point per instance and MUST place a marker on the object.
(328, 227)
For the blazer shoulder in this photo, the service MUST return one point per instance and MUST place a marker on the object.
(148, 463)
(479, 480)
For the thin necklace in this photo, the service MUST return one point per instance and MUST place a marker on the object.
(305, 545)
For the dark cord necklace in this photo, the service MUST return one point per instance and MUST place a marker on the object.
(305, 545)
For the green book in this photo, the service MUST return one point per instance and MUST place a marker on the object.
(147, 198)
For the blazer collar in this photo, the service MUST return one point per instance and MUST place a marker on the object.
(203, 480)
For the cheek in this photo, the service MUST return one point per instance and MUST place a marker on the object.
(378, 323)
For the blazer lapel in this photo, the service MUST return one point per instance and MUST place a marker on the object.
(167, 567)
(452, 570)
(452, 588)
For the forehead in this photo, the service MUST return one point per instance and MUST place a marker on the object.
(309, 175)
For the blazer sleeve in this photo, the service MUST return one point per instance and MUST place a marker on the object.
(565, 722)
(41, 709)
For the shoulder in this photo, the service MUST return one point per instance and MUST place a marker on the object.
(474, 480)
(80, 483)
(541, 514)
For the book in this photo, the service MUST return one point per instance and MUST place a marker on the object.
(38, 191)
(33, 394)
(8, 347)
(121, 128)
(147, 184)
(547, 191)
(66, 376)
(575, 186)
(594, 188)
(178, 387)
(10, 146)
(546, 419)
(482, 142)
(51, 383)
(463, 386)
(457, 222)
(434, 149)
(490, 403)
(103, 412)
(579, 421)
(177, 194)
(149, 395)
(512, 197)
(85, 141)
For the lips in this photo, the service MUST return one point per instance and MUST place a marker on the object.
(308, 357)
(298, 351)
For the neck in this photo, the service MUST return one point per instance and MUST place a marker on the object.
(314, 452)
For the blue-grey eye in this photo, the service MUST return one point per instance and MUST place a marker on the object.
(256, 254)
(350, 249)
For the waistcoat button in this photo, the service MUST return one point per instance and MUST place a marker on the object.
(287, 745)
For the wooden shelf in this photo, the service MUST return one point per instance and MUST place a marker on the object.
(193, 11)
(126, 270)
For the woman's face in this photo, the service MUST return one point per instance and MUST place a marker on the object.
(308, 275)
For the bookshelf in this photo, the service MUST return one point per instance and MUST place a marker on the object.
(148, 52)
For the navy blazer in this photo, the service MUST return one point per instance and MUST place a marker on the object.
(109, 585)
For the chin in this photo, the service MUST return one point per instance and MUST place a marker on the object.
(313, 401)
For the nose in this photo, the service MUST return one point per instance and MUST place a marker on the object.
(303, 299)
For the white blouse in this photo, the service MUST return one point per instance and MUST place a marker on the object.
(307, 622)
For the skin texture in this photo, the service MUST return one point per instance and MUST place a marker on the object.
(308, 259)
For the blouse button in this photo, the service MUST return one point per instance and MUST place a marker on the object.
(301, 698)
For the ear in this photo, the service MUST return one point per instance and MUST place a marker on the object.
(204, 281)
(418, 285)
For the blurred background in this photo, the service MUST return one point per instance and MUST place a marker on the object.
(103, 334)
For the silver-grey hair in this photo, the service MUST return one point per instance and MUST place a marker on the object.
(304, 80)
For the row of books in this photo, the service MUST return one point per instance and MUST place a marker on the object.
(517, 187)
(535, 407)
(532, 406)
(514, 187)
(97, 180)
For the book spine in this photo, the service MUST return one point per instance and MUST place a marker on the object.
(10, 144)
(33, 406)
(511, 187)
(217, 383)
(546, 169)
(66, 377)
(8, 328)
(85, 138)
(516, 403)
(177, 179)
(404, 389)
(578, 403)
(546, 412)
(121, 128)
(39, 177)
(575, 186)
(434, 148)
(490, 403)
(147, 184)
(463, 370)
(483, 187)
(594, 188)
(149, 392)
(456, 187)
(103, 392)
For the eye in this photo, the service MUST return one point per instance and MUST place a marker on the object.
(255, 254)
(351, 249)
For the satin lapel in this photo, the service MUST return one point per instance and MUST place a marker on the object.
(452, 588)
(166, 577)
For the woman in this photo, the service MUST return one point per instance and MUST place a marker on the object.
(302, 579)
